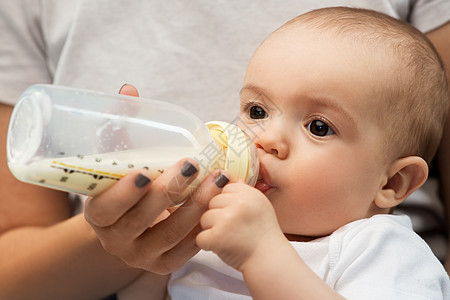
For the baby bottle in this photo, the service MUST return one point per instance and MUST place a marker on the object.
(84, 141)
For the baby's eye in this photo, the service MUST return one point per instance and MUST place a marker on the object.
(320, 128)
(257, 112)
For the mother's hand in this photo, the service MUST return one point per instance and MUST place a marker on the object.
(123, 215)
(132, 220)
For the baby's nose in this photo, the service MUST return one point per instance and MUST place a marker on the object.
(273, 142)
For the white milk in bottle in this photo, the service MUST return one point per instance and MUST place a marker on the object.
(84, 141)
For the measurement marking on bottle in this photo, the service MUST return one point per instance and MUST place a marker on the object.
(91, 172)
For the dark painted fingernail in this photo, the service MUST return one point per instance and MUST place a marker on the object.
(221, 181)
(188, 169)
(141, 181)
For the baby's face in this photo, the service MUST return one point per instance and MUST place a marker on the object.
(308, 103)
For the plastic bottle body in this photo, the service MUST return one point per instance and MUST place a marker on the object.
(84, 141)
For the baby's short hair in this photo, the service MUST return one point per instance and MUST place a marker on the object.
(415, 99)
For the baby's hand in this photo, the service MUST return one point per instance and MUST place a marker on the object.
(239, 221)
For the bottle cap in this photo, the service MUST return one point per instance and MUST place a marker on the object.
(26, 127)
(241, 159)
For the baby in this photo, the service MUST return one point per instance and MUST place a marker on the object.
(346, 107)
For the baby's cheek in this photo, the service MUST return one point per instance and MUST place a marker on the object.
(316, 202)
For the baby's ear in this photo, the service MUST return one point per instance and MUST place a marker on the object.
(404, 177)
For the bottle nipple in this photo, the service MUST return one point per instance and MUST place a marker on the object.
(241, 160)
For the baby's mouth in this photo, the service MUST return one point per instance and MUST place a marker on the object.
(263, 184)
(263, 187)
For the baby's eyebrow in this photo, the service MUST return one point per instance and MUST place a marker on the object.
(256, 90)
(258, 94)
(252, 88)
(324, 102)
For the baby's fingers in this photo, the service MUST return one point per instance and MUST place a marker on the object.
(208, 220)
(205, 240)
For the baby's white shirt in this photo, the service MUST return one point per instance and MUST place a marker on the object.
(375, 258)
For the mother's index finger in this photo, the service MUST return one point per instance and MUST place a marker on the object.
(162, 193)
(107, 207)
